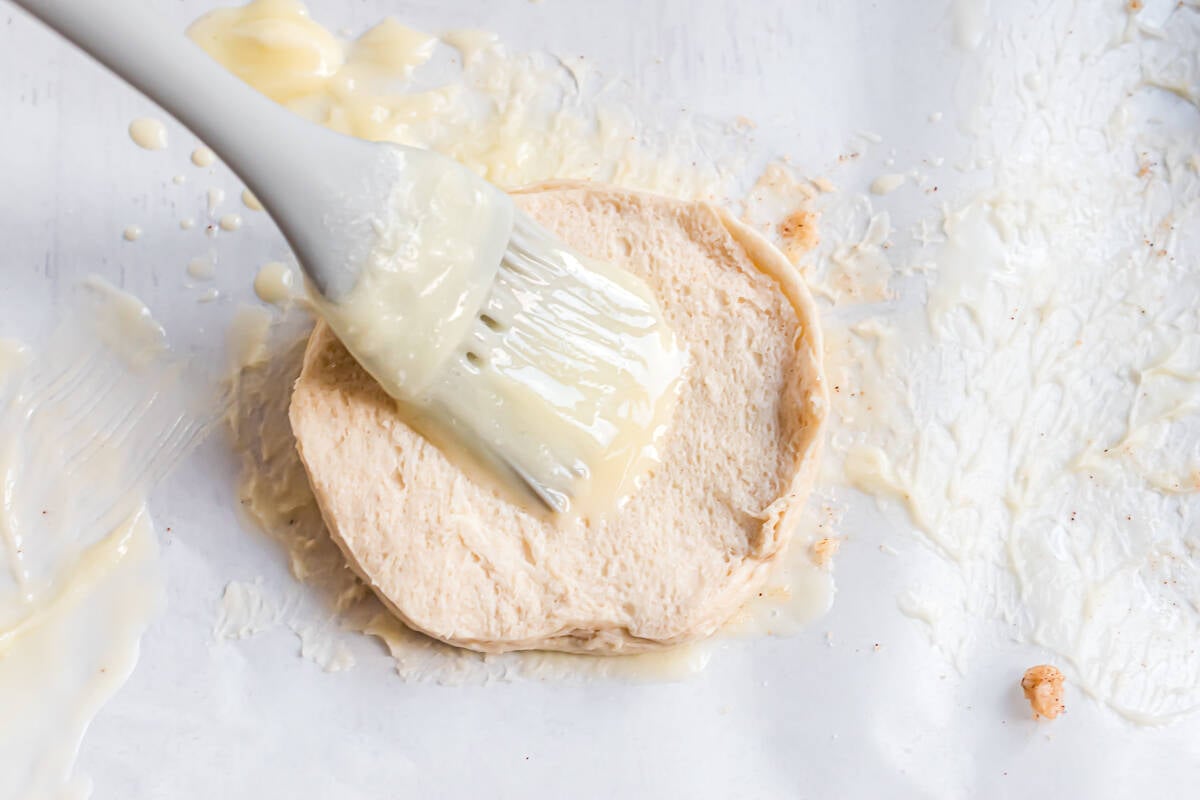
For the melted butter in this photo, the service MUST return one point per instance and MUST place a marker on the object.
(888, 183)
(245, 611)
(273, 45)
(230, 222)
(392, 48)
(14, 355)
(124, 324)
(317, 645)
(247, 341)
(470, 43)
(861, 271)
(148, 134)
(203, 156)
(15, 580)
(202, 269)
(76, 592)
(214, 197)
(970, 18)
(275, 283)
(1033, 415)
(796, 593)
(250, 201)
(89, 633)
(438, 248)
(576, 388)
(799, 587)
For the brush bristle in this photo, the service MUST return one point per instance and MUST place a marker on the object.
(568, 378)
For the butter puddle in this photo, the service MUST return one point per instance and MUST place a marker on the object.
(89, 424)
(1036, 419)
(61, 665)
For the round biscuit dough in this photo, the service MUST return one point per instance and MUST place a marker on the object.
(455, 560)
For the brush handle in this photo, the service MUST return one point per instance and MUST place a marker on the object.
(290, 164)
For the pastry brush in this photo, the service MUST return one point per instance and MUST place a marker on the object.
(552, 371)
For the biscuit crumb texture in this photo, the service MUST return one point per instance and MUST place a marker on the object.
(1043, 686)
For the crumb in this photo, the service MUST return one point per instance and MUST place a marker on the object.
(1043, 686)
(823, 550)
(799, 233)
(1134, 5)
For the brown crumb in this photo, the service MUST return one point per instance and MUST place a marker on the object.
(799, 233)
(1043, 687)
(823, 550)
(1134, 5)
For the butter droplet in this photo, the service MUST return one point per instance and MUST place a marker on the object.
(133, 233)
(230, 222)
(201, 269)
(274, 283)
(250, 201)
(215, 198)
(148, 134)
(203, 157)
